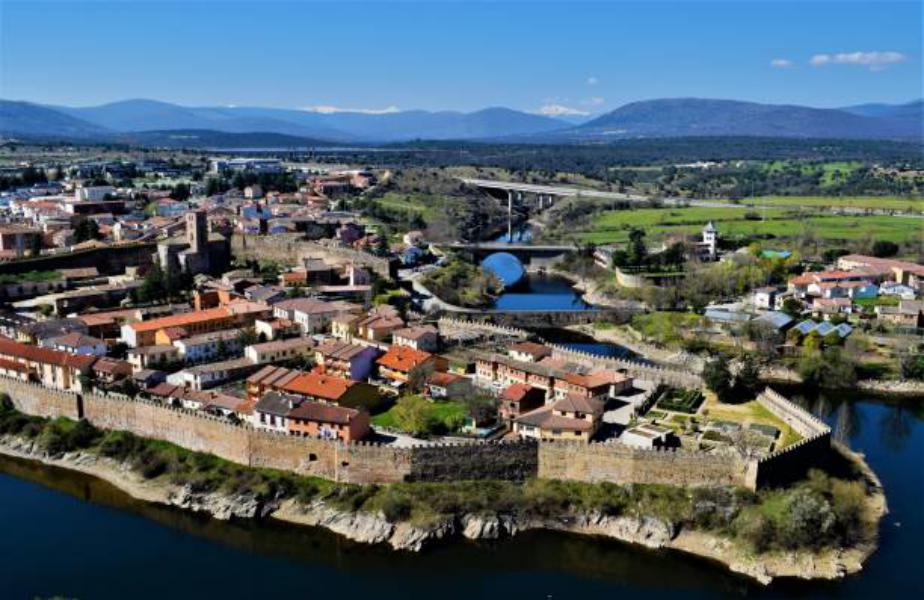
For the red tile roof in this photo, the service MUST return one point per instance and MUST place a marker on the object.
(323, 413)
(14, 350)
(315, 385)
(403, 358)
(516, 392)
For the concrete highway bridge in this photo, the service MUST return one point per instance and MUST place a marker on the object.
(546, 195)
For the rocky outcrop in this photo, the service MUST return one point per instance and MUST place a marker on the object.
(221, 506)
(374, 528)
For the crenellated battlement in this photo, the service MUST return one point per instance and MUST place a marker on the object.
(374, 462)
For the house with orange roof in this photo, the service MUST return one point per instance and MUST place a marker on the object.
(52, 368)
(519, 399)
(400, 364)
(236, 314)
(328, 421)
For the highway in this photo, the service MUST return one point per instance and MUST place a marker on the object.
(569, 191)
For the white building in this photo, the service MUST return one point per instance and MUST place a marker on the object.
(209, 346)
(93, 193)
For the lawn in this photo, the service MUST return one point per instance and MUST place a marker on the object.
(614, 226)
(665, 327)
(419, 203)
(444, 416)
(747, 413)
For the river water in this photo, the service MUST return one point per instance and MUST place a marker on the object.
(73, 536)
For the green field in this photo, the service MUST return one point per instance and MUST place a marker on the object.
(419, 203)
(896, 203)
(614, 226)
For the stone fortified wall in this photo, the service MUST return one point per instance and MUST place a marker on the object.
(623, 464)
(792, 462)
(364, 462)
(291, 249)
(640, 370)
(32, 399)
(634, 368)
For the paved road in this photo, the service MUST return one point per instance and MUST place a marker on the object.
(569, 191)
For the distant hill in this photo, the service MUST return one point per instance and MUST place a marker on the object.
(24, 119)
(909, 109)
(149, 120)
(205, 138)
(682, 117)
(152, 115)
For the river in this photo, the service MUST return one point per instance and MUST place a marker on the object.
(70, 535)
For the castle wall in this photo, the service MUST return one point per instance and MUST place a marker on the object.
(34, 399)
(375, 463)
(617, 463)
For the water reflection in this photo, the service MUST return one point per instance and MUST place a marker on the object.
(113, 543)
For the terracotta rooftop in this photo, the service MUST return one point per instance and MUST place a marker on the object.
(323, 413)
(414, 333)
(402, 358)
(14, 350)
(315, 385)
(516, 392)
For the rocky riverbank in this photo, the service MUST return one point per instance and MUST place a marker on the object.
(375, 528)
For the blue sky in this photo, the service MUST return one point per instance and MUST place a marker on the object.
(535, 56)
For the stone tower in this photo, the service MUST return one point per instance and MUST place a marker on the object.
(197, 231)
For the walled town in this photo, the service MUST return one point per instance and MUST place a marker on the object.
(275, 314)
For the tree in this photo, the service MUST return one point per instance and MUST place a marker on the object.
(718, 378)
(792, 307)
(747, 381)
(637, 249)
(884, 248)
(180, 192)
(412, 414)
(86, 229)
(813, 341)
(247, 337)
(152, 286)
(911, 365)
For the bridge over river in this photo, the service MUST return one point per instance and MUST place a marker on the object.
(535, 255)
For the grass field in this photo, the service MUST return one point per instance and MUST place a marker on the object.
(747, 413)
(896, 203)
(419, 203)
(614, 226)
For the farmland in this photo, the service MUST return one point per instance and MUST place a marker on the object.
(890, 203)
(614, 226)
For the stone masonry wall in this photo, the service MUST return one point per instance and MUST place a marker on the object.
(40, 401)
(376, 463)
(512, 461)
(793, 461)
(621, 464)
(186, 428)
(291, 249)
(672, 377)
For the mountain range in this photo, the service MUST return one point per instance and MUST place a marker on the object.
(151, 122)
